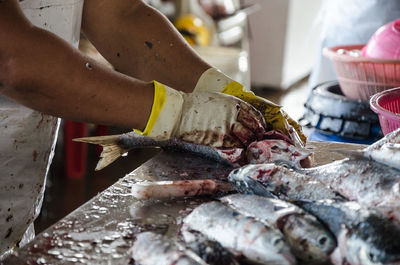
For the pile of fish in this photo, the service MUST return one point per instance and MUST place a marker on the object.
(357, 198)
(240, 228)
(345, 212)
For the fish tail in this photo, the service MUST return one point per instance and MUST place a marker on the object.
(111, 150)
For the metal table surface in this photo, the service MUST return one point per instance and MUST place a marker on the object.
(102, 230)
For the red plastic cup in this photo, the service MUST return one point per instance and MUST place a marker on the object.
(387, 105)
(385, 43)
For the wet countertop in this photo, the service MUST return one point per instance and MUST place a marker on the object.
(102, 230)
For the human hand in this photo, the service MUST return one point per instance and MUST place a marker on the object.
(275, 117)
(208, 118)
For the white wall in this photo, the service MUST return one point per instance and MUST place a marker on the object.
(283, 41)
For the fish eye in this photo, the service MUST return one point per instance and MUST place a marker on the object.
(278, 242)
(322, 240)
(235, 171)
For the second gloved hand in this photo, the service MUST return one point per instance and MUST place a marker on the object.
(208, 118)
(275, 118)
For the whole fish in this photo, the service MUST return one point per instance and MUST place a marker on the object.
(269, 150)
(270, 180)
(116, 145)
(241, 234)
(310, 241)
(385, 151)
(178, 188)
(210, 251)
(365, 181)
(151, 248)
(365, 237)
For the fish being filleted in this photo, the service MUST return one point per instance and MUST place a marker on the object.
(242, 235)
(365, 237)
(365, 181)
(178, 188)
(150, 248)
(270, 180)
(310, 241)
(116, 145)
(385, 151)
(265, 151)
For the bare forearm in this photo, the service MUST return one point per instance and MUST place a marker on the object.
(141, 42)
(45, 73)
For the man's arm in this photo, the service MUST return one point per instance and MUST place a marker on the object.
(43, 72)
(141, 42)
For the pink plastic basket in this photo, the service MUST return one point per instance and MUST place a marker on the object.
(361, 77)
(387, 105)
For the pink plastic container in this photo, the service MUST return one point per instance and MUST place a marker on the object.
(361, 77)
(385, 43)
(387, 105)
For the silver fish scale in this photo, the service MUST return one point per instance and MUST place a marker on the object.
(264, 209)
(244, 235)
(296, 224)
(151, 248)
(368, 182)
(281, 182)
(365, 236)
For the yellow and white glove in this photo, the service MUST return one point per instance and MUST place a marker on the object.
(276, 118)
(208, 118)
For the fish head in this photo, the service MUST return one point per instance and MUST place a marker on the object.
(267, 151)
(261, 172)
(375, 241)
(276, 249)
(253, 179)
(310, 240)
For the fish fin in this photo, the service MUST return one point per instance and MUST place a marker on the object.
(111, 151)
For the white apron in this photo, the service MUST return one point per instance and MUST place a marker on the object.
(28, 137)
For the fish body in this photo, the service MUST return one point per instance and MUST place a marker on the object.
(178, 188)
(270, 180)
(365, 181)
(385, 151)
(266, 150)
(310, 241)
(241, 234)
(151, 248)
(387, 154)
(116, 145)
(365, 237)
